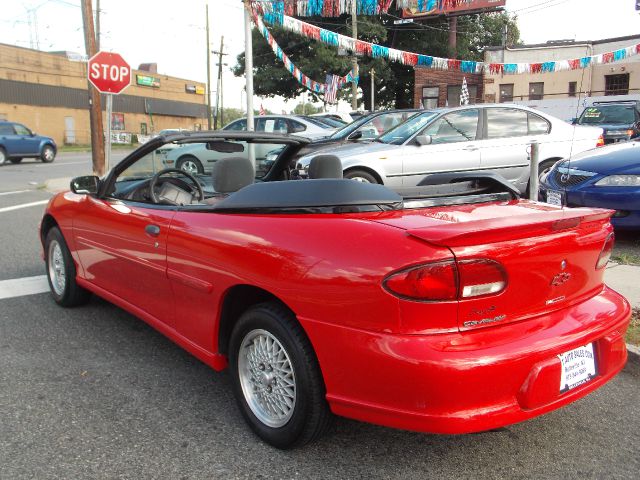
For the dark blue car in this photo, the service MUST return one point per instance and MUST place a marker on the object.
(607, 177)
(18, 142)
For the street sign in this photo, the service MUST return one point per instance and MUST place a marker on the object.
(109, 72)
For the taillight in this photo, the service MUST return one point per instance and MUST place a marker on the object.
(448, 280)
(600, 142)
(431, 282)
(481, 277)
(605, 254)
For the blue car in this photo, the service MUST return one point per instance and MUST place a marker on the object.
(606, 177)
(18, 142)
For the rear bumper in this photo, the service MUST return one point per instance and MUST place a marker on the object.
(467, 382)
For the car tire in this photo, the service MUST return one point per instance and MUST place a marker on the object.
(48, 154)
(15, 160)
(190, 164)
(297, 412)
(360, 176)
(3, 156)
(61, 272)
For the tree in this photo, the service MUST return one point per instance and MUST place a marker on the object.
(306, 108)
(394, 82)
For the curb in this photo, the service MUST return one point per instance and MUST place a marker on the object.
(632, 349)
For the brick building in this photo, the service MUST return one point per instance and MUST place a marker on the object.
(437, 88)
(47, 91)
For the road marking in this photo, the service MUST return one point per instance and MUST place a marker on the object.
(19, 287)
(24, 205)
(14, 192)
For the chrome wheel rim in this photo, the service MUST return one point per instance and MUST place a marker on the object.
(360, 179)
(48, 154)
(189, 166)
(3, 157)
(267, 378)
(56, 268)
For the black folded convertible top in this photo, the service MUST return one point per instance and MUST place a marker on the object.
(301, 194)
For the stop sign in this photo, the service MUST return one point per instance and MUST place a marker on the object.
(109, 73)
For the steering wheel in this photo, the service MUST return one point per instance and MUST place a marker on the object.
(196, 190)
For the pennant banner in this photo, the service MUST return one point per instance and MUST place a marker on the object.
(276, 13)
(315, 87)
(335, 8)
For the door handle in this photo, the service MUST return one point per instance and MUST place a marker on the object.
(471, 148)
(153, 230)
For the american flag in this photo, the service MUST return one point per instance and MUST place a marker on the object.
(331, 88)
(464, 93)
(262, 111)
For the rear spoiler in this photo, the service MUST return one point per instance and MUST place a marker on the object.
(493, 230)
(491, 182)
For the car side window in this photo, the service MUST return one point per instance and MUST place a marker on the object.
(538, 125)
(21, 129)
(6, 129)
(455, 127)
(296, 126)
(506, 122)
(240, 125)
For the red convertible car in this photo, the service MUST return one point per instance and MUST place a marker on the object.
(459, 309)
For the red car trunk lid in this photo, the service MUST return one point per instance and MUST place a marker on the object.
(549, 255)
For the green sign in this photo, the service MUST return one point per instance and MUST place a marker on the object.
(147, 81)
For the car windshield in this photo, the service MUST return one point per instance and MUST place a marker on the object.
(607, 114)
(196, 159)
(373, 125)
(404, 131)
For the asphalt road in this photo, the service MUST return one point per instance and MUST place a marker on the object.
(93, 392)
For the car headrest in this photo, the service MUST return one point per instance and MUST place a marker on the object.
(325, 166)
(231, 174)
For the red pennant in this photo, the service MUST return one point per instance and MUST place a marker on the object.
(409, 58)
(535, 67)
(607, 57)
(453, 64)
(574, 64)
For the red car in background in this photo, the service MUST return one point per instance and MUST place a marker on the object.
(459, 309)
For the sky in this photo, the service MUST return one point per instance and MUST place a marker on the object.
(172, 34)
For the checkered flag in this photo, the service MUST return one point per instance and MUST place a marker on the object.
(464, 93)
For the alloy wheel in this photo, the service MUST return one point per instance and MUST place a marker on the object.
(267, 378)
(57, 273)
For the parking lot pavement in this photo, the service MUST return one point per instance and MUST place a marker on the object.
(93, 392)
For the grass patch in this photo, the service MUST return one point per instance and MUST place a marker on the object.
(87, 148)
(626, 258)
(633, 333)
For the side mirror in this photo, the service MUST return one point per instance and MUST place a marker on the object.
(424, 140)
(88, 184)
(355, 135)
(574, 121)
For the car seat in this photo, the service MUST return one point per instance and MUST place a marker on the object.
(325, 166)
(230, 175)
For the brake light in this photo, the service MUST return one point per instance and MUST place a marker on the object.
(431, 282)
(446, 281)
(605, 254)
(600, 142)
(481, 277)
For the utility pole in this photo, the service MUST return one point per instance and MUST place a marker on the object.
(98, 25)
(373, 99)
(453, 35)
(208, 72)
(248, 74)
(354, 59)
(219, 99)
(95, 102)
